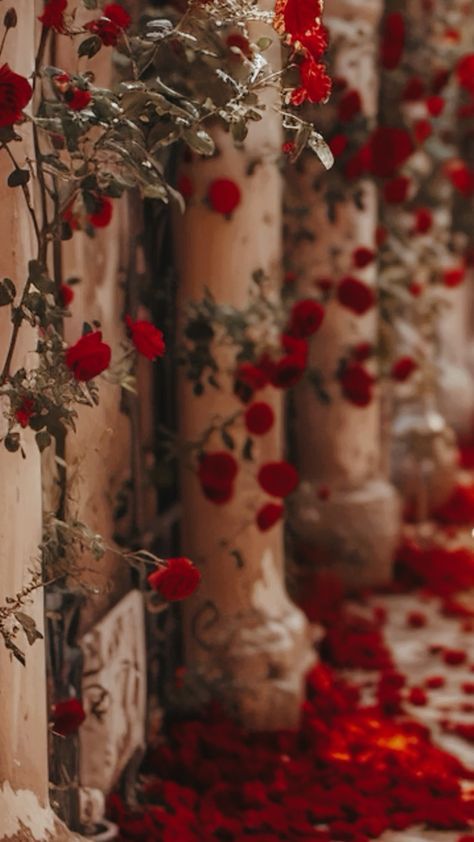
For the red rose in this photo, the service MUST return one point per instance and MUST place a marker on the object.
(296, 17)
(393, 40)
(177, 580)
(259, 418)
(278, 478)
(413, 90)
(454, 657)
(338, 144)
(109, 27)
(416, 619)
(216, 474)
(66, 295)
(251, 376)
(53, 14)
(465, 72)
(461, 177)
(305, 318)
(25, 411)
(15, 94)
(362, 256)
(148, 340)
(415, 289)
(356, 384)
(268, 515)
(67, 716)
(350, 105)
(291, 367)
(89, 356)
(454, 277)
(417, 696)
(403, 368)
(435, 105)
(235, 41)
(396, 190)
(434, 682)
(362, 351)
(389, 147)
(315, 83)
(422, 130)
(77, 99)
(102, 213)
(355, 295)
(224, 196)
(423, 220)
(315, 41)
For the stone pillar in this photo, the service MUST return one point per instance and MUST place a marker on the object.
(243, 635)
(25, 813)
(419, 257)
(347, 513)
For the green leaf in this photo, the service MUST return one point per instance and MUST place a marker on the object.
(29, 627)
(238, 557)
(89, 47)
(227, 439)
(199, 141)
(247, 449)
(7, 292)
(18, 178)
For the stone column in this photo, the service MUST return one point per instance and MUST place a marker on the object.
(347, 514)
(25, 813)
(243, 636)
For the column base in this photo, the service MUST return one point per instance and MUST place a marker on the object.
(24, 819)
(455, 393)
(354, 533)
(255, 662)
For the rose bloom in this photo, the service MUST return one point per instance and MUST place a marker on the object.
(278, 478)
(89, 356)
(53, 14)
(67, 716)
(356, 384)
(66, 295)
(259, 418)
(15, 94)
(362, 256)
(148, 340)
(350, 106)
(77, 99)
(297, 17)
(355, 295)
(109, 27)
(393, 40)
(102, 213)
(216, 474)
(305, 318)
(224, 196)
(25, 411)
(268, 515)
(315, 83)
(403, 368)
(178, 579)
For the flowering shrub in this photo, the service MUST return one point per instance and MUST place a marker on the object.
(93, 143)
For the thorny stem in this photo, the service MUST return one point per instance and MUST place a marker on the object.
(40, 233)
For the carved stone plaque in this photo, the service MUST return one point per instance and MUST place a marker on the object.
(114, 693)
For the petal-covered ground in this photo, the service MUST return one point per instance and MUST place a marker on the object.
(386, 743)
